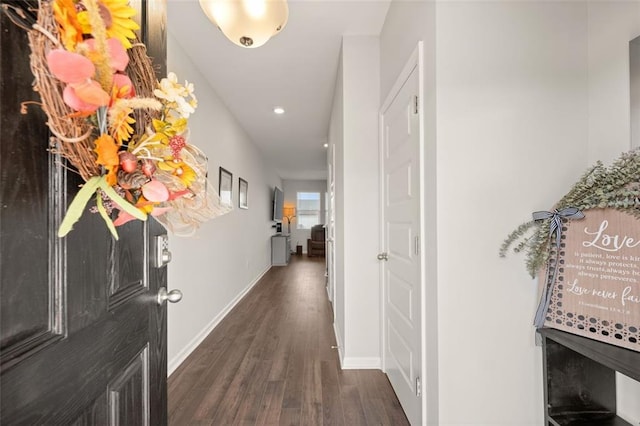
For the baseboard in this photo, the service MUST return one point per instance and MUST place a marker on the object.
(355, 363)
(195, 342)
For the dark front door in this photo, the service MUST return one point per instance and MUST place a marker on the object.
(83, 339)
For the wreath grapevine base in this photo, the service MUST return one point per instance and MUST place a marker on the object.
(124, 132)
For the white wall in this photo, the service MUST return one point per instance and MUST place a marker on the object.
(511, 87)
(512, 135)
(231, 252)
(361, 202)
(355, 113)
(291, 189)
(611, 26)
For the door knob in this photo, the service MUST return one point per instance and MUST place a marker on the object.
(173, 296)
(383, 256)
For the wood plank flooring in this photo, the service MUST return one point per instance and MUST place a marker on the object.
(270, 362)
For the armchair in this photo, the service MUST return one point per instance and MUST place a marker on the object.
(316, 244)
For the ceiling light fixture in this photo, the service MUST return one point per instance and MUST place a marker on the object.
(278, 110)
(326, 145)
(247, 23)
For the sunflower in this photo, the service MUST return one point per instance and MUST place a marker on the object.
(116, 15)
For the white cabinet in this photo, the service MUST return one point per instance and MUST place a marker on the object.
(280, 249)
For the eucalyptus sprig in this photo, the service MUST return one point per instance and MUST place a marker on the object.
(616, 186)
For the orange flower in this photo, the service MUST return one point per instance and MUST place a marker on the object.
(107, 151)
(144, 204)
(66, 16)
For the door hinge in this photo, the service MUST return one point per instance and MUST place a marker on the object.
(417, 246)
(415, 104)
(418, 387)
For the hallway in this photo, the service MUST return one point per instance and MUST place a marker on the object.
(270, 362)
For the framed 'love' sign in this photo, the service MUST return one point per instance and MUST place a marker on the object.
(596, 292)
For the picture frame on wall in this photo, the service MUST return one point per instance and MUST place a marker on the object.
(225, 186)
(243, 191)
(595, 291)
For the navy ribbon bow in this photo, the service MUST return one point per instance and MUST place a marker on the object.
(556, 220)
(554, 227)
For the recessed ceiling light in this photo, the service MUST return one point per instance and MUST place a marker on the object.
(278, 110)
(326, 145)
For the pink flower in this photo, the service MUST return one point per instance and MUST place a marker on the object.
(82, 92)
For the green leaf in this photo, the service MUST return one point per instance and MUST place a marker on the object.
(105, 216)
(75, 209)
(121, 202)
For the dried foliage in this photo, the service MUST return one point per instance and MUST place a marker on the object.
(616, 186)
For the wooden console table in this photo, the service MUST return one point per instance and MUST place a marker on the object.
(579, 378)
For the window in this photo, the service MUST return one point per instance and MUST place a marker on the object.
(308, 209)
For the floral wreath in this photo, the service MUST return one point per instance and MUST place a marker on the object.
(124, 133)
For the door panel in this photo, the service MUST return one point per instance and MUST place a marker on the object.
(401, 353)
(94, 415)
(127, 263)
(59, 384)
(83, 338)
(401, 298)
(129, 393)
(31, 313)
(399, 237)
(401, 228)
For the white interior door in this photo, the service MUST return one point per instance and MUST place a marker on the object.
(400, 154)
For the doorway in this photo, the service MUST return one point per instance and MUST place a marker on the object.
(401, 239)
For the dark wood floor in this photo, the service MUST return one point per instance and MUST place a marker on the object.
(270, 362)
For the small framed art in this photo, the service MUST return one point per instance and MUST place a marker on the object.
(243, 200)
(225, 186)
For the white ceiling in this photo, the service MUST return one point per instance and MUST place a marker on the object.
(296, 70)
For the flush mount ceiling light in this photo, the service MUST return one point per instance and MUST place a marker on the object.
(247, 23)
(278, 110)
